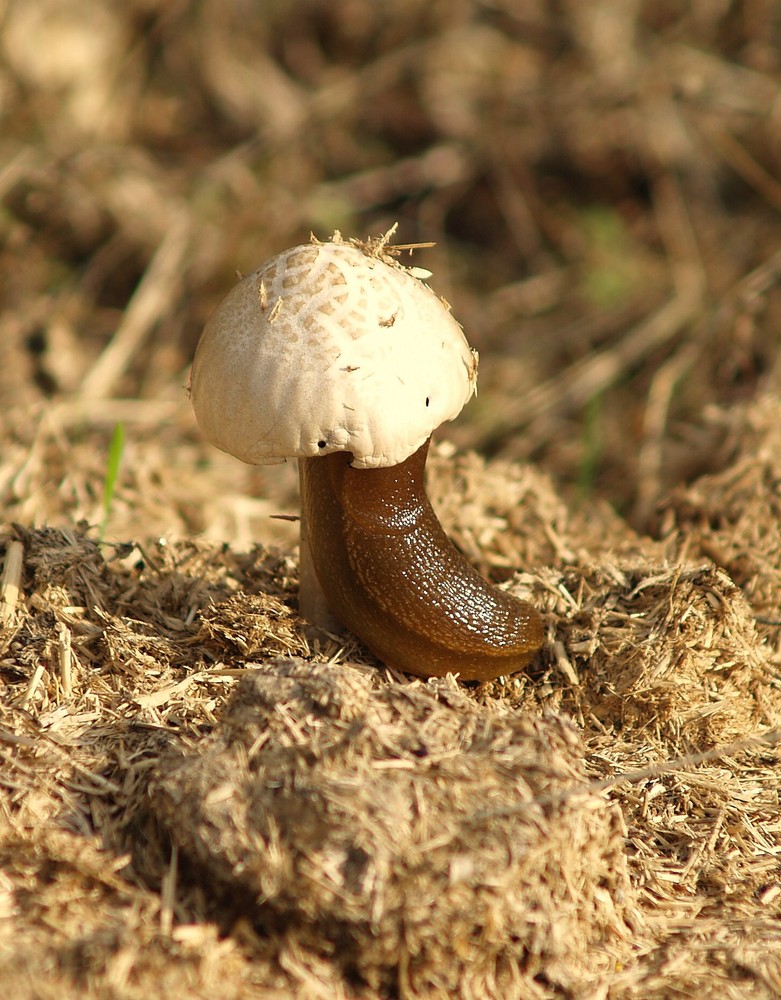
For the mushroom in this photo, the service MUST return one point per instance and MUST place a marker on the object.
(335, 354)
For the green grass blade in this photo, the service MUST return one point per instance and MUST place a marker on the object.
(113, 463)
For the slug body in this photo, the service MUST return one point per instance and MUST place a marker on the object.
(391, 575)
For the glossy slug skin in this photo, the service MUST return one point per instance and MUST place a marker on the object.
(392, 576)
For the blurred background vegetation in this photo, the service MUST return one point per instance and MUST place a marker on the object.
(602, 181)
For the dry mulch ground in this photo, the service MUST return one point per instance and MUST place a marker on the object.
(196, 796)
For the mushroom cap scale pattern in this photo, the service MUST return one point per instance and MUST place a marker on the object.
(330, 347)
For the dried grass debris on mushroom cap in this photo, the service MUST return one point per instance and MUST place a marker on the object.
(337, 355)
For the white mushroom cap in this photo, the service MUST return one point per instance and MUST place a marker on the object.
(330, 347)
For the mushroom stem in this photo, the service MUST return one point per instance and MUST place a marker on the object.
(312, 602)
(392, 576)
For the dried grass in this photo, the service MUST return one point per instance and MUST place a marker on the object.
(358, 834)
(402, 831)
(732, 517)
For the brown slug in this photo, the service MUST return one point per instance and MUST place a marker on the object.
(391, 575)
